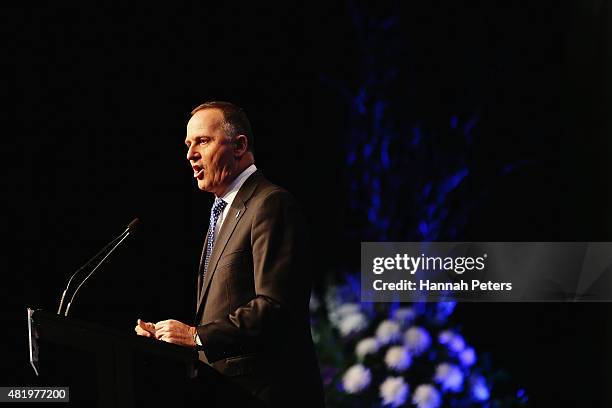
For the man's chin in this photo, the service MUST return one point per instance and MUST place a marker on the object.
(202, 186)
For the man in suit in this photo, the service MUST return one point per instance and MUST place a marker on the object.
(252, 321)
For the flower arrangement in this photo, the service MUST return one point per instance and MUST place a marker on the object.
(392, 355)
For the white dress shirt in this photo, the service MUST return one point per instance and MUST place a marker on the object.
(231, 193)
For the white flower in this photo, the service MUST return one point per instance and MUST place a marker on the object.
(336, 315)
(387, 332)
(479, 389)
(417, 340)
(356, 379)
(397, 358)
(452, 340)
(394, 391)
(467, 357)
(404, 315)
(353, 323)
(456, 344)
(449, 376)
(445, 336)
(426, 396)
(366, 346)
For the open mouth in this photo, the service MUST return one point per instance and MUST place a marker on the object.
(197, 171)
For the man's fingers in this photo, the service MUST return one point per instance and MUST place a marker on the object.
(141, 332)
(150, 327)
(163, 323)
(159, 333)
(170, 331)
(146, 325)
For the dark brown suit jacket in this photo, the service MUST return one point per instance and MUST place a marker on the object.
(252, 311)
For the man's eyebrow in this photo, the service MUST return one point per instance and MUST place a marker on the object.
(196, 139)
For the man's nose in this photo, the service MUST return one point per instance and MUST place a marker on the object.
(192, 154)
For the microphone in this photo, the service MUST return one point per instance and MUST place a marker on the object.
(130, 229)
(132, 225)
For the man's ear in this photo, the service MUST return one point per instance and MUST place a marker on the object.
(241, 143)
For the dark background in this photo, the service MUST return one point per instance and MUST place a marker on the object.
(103, 96)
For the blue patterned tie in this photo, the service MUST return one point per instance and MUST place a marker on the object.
(215, 213)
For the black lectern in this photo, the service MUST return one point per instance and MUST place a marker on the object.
(107, 368)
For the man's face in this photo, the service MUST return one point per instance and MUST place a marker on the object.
(210, 151)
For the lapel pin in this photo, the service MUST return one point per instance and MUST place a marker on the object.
(237, 213)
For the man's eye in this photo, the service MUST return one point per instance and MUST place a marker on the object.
(202, 141)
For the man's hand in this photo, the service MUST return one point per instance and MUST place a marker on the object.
(145, 329)
(173, 331)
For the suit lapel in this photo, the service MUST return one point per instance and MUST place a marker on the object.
(224, 234)
(229, 225)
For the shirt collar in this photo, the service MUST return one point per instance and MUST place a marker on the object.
(229, 196)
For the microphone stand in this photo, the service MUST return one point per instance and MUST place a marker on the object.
(114, 242)
(92, 271)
